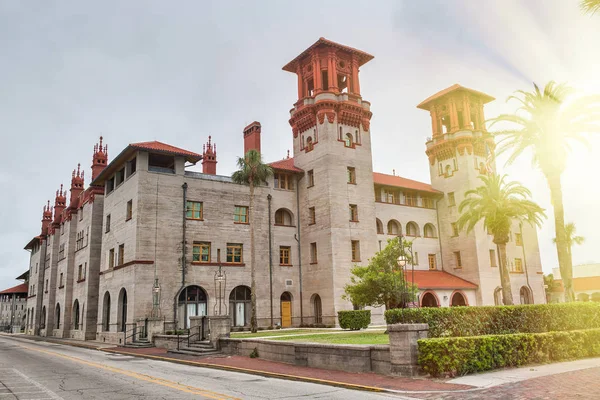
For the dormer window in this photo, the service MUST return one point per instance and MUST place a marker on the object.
(161, 163)
(283, 181)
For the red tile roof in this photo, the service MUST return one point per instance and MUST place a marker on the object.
(32, 242)
(398, 181)
(22, 288)
(167, 148)
(362, 56)
(581, 284)
(424, 105)
(287, 164)
(438, 280)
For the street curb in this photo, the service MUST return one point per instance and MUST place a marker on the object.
(254, 372)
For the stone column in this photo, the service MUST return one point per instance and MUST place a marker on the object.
(403, 347)
(219, 327)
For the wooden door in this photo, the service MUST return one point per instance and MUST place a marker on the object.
(286, 314)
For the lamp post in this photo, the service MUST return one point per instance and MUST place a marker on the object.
(156, 299)
(403, 259)
(220, 284)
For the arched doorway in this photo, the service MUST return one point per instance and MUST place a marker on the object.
(458, 299)
(239, 306)
(191, 302)
(57, 317)
(122, 315)
(525, 295)
(286, 309)
(428, 299)
(76, 315)
(317, 308)
(498, 296)
(106, 312)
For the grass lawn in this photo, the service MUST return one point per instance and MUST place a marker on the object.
(370, 337)
(279, 332)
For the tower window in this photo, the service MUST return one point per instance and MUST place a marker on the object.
(446, 124)
(284, 255)
(309, 144)
(355, 250)
(431, 261)
(312, 217)
(343, 83)
(352, 175)
(454, 229)
(348, 141)
(451, 199)
(313, 253)
(310, 87)
(311, 178)
(353, 213)
(324, 79)
(457, 259)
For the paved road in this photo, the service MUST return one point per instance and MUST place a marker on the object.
(41, 370)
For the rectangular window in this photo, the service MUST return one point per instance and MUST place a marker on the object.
(493, 262)
(454, 229)
(451, 199)
(201, 252)
(283, 181)
(80, 272)
(61, 251)
(194, 210)
(107, 229)
(518, 265)
(129, 210)
(111, 258)
(355, 250)
(120, 176)
(131, 167)
(518, 239)
(313, 253)
(416, 259)
(352, 175)
(284, 255)
(234, 253)
(121, 254)
(431, 261)
(410, 199)
(389, 197)
(311, 178)
(427, 202)
(457, 259)
(353, 213)
(312, 217)
(240, 215)
(110, 185)
(60, 282)
(46, 286)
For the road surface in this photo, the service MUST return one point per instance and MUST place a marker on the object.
(41, 370)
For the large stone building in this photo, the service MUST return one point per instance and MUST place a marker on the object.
(148, 237)
(13, 308)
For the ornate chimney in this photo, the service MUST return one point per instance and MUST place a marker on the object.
(209, 158)
(100, 159)
(76, 186)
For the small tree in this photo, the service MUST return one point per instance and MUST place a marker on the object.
(381, 283)
(550, 285)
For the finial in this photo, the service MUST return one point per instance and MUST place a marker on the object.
(82, 174)
(73, 174)
(394, 172)
(101, 143)
(209, 139)
(204, 148)
(215, 148)
(78, 169)
(61, 188)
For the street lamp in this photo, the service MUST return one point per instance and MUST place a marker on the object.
(406, 255)
(220, 284)
(156, 299)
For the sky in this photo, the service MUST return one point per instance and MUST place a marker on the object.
(180, 71)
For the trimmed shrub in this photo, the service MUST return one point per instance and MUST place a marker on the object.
(497, 320)
(463, 355)
(355, 319)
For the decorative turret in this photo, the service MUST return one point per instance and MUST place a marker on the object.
(100, 159)
(76, 186)
(46, 218)
(252, 137)
(209, 158)
(60, 203)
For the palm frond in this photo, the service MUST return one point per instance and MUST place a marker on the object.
(590, 6)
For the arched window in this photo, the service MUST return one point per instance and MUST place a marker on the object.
(498, 296)
(191, 303)
(379, 226)
(43, 320)
(428, 299)
(458, 299)
(285, 302)
(525, 294)
(76, 315)
(412, 229)
(317, 308)
(284, 217)
(106, 312)
(348, 141)
(429, 231)
(239, 306)
(393, 228)
(122, 311)
(57, 316)
(309, 144)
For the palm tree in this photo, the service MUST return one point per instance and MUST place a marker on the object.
(254, 173)
(548, 126)
(590, 6)
(499, 204)
(572, 239)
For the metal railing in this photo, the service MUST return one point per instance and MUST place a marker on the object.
(200, 332)
(136, 332)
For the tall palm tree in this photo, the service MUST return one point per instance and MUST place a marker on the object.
(547, 125)
(252, 172)
(498, 205)
(572, 239)
(590, 6)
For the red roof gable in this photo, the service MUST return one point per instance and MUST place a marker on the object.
(438, 280)
(167, 148)
(398, 181)
(22, 288)
(424, 105)
(362, 56)
(287, 164)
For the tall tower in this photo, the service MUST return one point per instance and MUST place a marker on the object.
(76, 187)
(332, 143)
(46, 219)
(99, 159)
(459, 151)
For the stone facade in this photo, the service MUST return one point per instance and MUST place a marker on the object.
(147, 239)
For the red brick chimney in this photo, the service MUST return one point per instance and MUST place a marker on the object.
(60, 203)
(46, 218)
(100, 159)
(252, 137)
(209, 158)
(76, 187)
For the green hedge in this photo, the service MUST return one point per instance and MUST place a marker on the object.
(496, 320)
(355, 319)
(463, 355)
